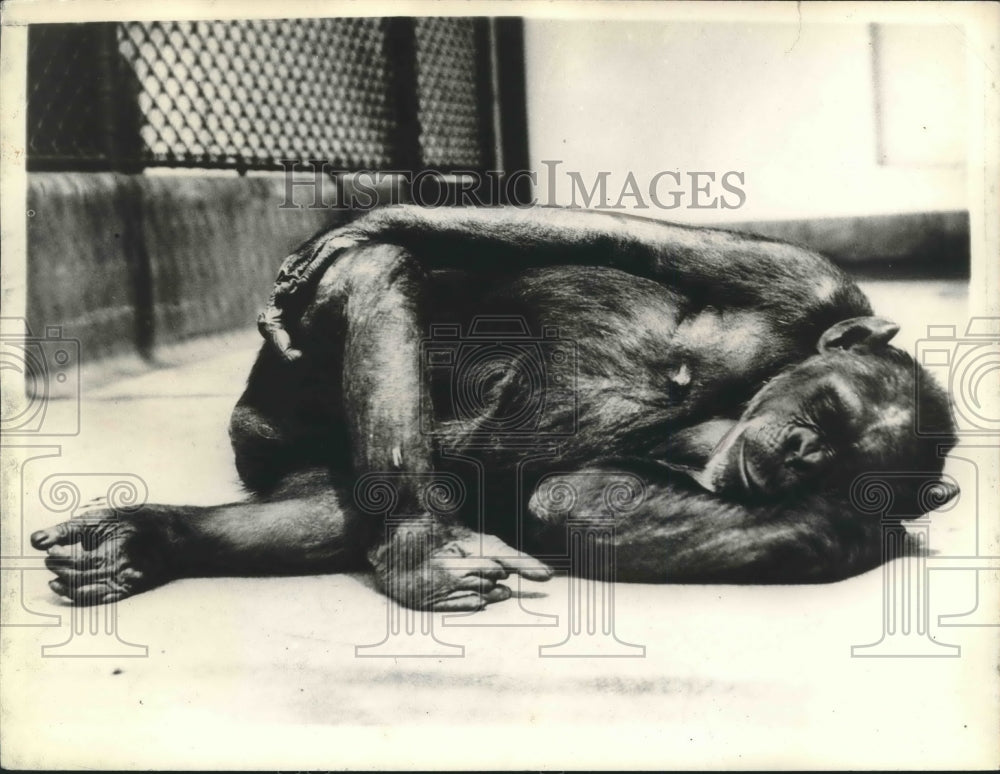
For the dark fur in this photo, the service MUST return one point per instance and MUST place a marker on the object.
(336, 393)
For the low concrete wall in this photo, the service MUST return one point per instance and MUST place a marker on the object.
(79, 274)
(134, 264)
(933, 244)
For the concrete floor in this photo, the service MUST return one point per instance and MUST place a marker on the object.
(264, 673)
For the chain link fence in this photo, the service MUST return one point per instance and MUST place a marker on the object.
(68, 100)
(451, 89)
(248, 94)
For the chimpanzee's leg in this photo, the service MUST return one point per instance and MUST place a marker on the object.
(288, 419)
(357, 386)
(378, 290)
(666, 532)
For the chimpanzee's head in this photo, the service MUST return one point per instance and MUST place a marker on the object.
(848, 410)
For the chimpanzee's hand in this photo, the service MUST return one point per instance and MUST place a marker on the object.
(102, 556)
(431, 567)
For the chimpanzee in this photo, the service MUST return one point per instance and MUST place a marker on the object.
(542, 357)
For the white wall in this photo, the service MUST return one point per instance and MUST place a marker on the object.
(794, 109)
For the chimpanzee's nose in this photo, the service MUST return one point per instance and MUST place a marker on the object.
(802, 448)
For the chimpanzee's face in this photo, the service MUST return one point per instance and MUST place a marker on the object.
(835, 413)
(849, 409)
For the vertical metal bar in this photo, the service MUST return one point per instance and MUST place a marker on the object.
(512, 103)
(106, 45)
(118, 94)
(486, 95)
(119, 109)
(401, 54)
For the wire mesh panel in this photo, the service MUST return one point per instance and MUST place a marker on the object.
(255, 92)
(454, 117)
(67, 93)
(247, 94)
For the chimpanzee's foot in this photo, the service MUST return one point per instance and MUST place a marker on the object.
(103, 556)
(460, 574)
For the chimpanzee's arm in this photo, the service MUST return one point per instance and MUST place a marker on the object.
(666, 532)
(103, 555)
(309, 525)
(737, 268)
(717, 267)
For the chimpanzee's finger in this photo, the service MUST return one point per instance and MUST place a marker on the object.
(80, 576)
(130, 577)
(70, 581)
(498, 594)
(514, 561)
(88, 588)
(460, 602)
(272, 328)
(526, 566)
(475, 583)
(490, 569)
(66, 533)
(283, 342)
(96, 593)
(483, 566)
(65, 556)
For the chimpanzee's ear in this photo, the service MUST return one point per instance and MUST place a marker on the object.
(943, 492)
(858, 331)
(912, 502)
